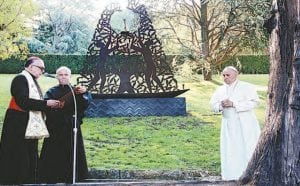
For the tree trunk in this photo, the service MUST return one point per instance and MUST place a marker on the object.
(276, 160)
(207, 74)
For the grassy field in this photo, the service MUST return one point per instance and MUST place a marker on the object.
(160, 143)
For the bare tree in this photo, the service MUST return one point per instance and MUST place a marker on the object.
(276, 160)
(212, 31)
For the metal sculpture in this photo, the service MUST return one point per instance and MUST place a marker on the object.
(128, 63)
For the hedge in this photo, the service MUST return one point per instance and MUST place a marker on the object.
(247, 64)
(250, 64)
(52, 62)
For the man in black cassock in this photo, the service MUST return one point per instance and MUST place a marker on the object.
(19, 156)
(56, 159)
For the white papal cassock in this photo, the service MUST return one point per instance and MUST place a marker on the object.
(240, 129)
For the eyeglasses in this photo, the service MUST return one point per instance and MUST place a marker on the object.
(41, 68)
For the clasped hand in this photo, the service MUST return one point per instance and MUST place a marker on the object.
(80, 90)
(60, 104)
(226, 103)
(55, 103)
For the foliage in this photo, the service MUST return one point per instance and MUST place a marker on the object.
(181, 65)
(74, 62)
(52, 62)
(11, 65)
(249, 64)
(59, 32)
(256, 12)
(14, 27)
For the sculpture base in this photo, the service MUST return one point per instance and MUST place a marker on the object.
(137, 107)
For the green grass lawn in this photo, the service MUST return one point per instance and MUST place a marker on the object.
(160, 143)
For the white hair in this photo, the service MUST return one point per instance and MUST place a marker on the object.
(63, 68)
(231, 68)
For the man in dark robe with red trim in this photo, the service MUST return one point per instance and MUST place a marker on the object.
(18, 154)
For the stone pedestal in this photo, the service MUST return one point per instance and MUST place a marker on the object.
(137, 107)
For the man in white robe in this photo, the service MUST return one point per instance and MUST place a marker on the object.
(240, 129)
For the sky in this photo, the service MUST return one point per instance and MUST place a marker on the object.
(99, 6)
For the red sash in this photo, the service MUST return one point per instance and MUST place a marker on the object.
(13, 105)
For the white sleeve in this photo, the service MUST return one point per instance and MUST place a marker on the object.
(215, 102)
(249, 100)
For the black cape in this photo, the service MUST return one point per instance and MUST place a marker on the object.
(56, 159)
(18, 156)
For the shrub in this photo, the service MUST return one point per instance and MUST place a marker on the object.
(247, 64)
(250, 64)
